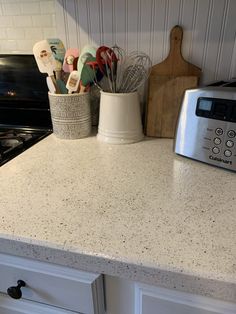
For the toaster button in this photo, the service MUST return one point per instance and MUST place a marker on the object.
(227, 153)
(216, 150)
(217, 141)
(229, 143)
(231, 133)
(219, 131)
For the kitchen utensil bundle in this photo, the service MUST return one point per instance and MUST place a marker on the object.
(53, 59)
(110, 69)
(69, 102)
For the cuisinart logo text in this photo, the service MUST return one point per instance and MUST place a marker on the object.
(229, 162)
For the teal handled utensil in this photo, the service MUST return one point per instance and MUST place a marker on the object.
(88, 74)
(62, 87)
(86, 49)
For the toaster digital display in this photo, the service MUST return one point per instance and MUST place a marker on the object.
(215, 108)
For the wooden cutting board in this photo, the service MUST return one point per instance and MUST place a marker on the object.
(167, 83)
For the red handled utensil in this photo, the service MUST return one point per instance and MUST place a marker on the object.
(107, 63)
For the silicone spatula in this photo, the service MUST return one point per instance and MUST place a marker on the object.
(51, 86)
(70, 57)
(73, 82)
(45, 60)
(87, 49)
(88, 73)
(58, 51)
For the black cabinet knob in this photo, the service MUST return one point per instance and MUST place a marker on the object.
(15, 292)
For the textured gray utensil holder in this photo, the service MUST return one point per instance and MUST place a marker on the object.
(71, 115)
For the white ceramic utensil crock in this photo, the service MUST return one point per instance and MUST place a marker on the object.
(120, 118)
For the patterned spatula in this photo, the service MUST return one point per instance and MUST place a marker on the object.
(45, 60)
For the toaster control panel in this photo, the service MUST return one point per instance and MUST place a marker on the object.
(214, 108)
(221, 144)
(206, 129)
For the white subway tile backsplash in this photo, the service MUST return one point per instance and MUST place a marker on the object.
(9, 1)
(54, 21)
(3, 33)
(17, 1)
(49, 32)
(34, 33)
(47, 7)
(42, 20)
(25, 44)
(15, 33)
(6, 21)
(22, 21)
(8, 45)
(11, 9)
(30, 8)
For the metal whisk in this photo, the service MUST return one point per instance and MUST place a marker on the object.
(136, 71)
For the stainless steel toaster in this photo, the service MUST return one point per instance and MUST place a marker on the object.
(206, 129)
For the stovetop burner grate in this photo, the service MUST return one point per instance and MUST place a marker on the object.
(15, 141)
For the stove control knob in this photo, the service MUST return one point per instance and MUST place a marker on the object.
(15, 292)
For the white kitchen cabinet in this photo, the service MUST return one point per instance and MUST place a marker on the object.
(49, 288)
(127, 297)
(155, 300)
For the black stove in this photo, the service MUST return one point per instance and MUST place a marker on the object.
(24, 108)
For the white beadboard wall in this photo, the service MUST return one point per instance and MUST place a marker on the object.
(209, 29)
(23, 23)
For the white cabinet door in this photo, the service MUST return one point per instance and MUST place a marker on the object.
(10, 306)
(154, 300)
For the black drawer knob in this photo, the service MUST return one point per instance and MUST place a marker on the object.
(15, 292)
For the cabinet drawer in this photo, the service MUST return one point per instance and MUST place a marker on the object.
(53, 284)
(10, 306)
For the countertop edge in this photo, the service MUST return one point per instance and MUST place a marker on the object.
(179, 281)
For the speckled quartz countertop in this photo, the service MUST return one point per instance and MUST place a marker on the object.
(134, 211)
